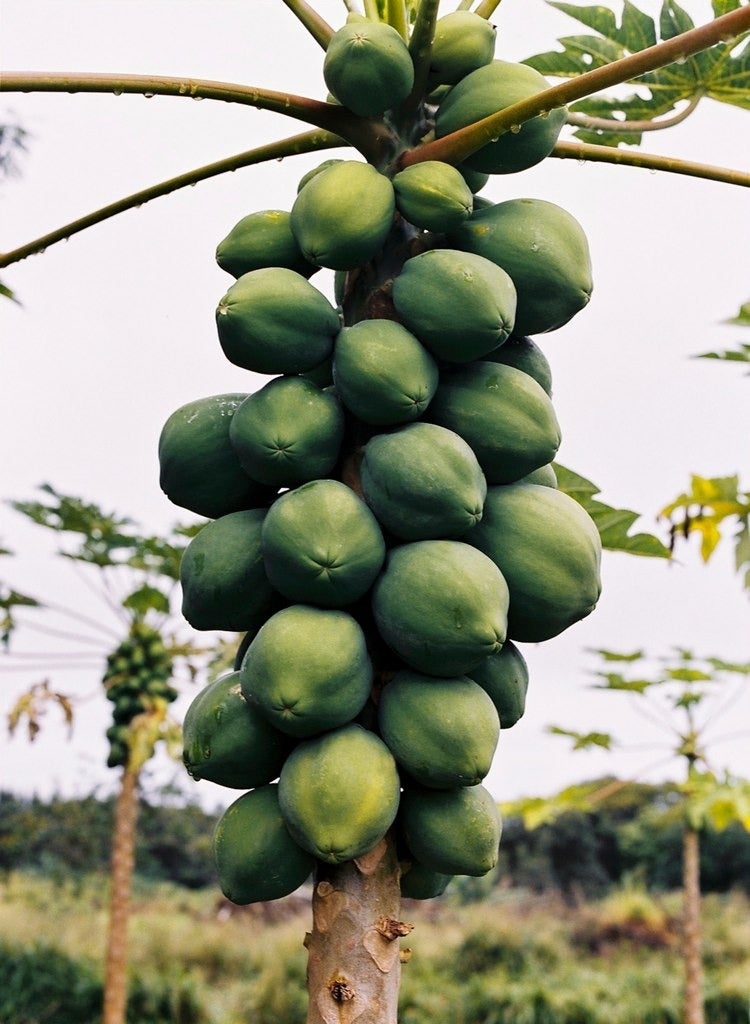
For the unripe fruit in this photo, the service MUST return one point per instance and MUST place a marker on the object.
(432, 195)
(453, 831)
(368, 68)
(464, 41)
(262, 239)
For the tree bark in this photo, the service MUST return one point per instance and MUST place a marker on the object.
(354, 960)
(691, 891)
(121, 876)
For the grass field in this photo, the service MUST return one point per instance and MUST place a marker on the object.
(514, 959)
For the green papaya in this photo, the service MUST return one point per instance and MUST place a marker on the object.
(443, 732)
(476, 180)
(549, 551)
(460, 308)
(439, 608)
(488, 90)
(545, 252)
(307, 670)
(503, 414)
(383, 374)
(342, 216)
(288, 432)
(463, 42)
(524, 354)
(423, 482)
(545, 476)
(309, 175)
(262, 239)
(223, 578)
(256, 858)
(505, 678)
(368, 67)
(322, 545)
(339, 793)
(452, 831)
(198, 467)
(432, 195)
(420, 883)
(227, 741)
(274, 321)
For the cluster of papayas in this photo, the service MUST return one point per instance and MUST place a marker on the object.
(138, 673)
(386, 522)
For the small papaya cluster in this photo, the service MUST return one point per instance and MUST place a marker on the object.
(385, 519)
(138, 673)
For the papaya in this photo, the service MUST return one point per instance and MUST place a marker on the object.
(524, 354)
(549, 551)
(383, 374)
(227, 741)
(543, 249)
(307, 670)
(420, 883)
(456, 303)
(198, 467)
(309, 175)
(443, 732)
(322, 375)
(423, 482)
(488, 90)
(224, 582)
(505, 678)
(274, 321)
(476, 180)
(439, 608)
(368, 67)
(256, 858)
(322, 545)
(545, 476)
(288, 432)
(432, 195)
(503, 414)
(452, 831)
(343, 215)
(339, 793)
(262, 239)
(463, 42)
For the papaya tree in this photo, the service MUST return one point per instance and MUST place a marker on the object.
(142, 652)
(386, 520)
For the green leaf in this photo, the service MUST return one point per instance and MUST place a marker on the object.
(717, 802)
(689, 675)
(584, 740)
(615, 681)
(147, 598)
(742, 319)
(613, 524)
(729, 666)
(616, 655)
(8, 293)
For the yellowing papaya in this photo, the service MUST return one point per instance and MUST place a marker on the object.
(227, 741)
(383, 374)
(256, 858)
(439, 608)
(322, 545)
(423, 482)
(274, 321)
(224, 582)
(343, 215)
(307, 670)
(456, 303)
(549, 551)
(452, 831)
(288, 432)
(484, 92)
(198, 467)
(339, 793)
(368, 68)
(503, 414)
(443, 732)
(543, 249)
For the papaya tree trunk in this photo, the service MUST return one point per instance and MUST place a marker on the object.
(121, 877)
(693, 1006)
(354, 959)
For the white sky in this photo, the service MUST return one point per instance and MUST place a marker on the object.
(116, 331)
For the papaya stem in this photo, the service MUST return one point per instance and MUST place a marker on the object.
(460, 144)
(465, 5)
(308, 142)
(630, 158)
(397, 18)
(420, 47)
(487, 8)
(371, 10)
(610, 124)
(316, 25)
(365, 135)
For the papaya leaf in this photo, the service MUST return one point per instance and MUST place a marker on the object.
(742, 319)
(147, 598)
(615, 681)
(33, 705)
(729, 666)
(688, 699)
(690, 675)
(10, 599)
(616, 655)
(613, 524)
(719, 72)
(537, 811)
(584, 740)
(741, 354)
(8, 293)
(717, 802)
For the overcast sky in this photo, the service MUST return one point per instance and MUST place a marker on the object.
(116, 331)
